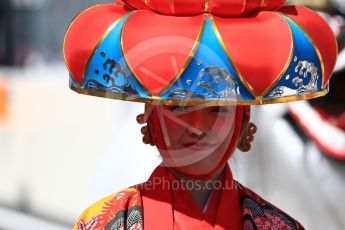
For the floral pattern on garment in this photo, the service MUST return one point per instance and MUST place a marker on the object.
(123, 211)
(120, 211)
(260, 214)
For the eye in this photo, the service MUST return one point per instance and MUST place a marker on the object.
(219, 109)
(172, 108)
(175, 108)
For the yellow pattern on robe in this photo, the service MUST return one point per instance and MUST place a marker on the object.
(111, 212)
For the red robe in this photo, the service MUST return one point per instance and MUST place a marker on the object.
(163, 202)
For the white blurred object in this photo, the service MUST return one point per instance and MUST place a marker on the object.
(127, 161)
(11, 219)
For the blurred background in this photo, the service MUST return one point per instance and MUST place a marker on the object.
(60, 151)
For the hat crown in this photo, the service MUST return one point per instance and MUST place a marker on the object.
(222, 8)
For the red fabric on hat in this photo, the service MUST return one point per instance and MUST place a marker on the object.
(149, 52)
(254, 59)
(221, 8)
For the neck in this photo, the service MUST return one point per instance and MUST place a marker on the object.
(199, 189)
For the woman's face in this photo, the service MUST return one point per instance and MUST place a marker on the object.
(196, 137)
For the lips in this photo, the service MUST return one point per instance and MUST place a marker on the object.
(197, 145)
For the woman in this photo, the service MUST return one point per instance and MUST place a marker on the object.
(193, 188)
(197, 84)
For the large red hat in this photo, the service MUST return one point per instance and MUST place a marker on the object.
(220, 52)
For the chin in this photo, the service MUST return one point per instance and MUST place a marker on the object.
(198, 169)
(203, 167)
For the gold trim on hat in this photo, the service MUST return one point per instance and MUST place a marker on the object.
(288, 62)
(158, 100)
(64, 40)
(220, 39)
(190, 57)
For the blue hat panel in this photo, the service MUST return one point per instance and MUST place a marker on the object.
(304, 74)
(108, 71)
(210, 76)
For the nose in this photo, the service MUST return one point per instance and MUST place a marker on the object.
(198, 125)
(196, 135)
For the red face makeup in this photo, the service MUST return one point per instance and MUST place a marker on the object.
(194, 140)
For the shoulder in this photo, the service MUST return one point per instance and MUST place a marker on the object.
(120, 209)
(259, 213)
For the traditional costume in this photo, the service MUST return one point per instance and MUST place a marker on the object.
(185, 53)
(169, 205)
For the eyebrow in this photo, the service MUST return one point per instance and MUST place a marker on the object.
(193, 108)
(173, 117)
